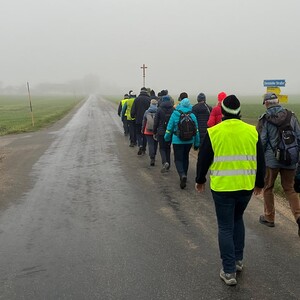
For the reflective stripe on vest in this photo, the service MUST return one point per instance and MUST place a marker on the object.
(234, 146)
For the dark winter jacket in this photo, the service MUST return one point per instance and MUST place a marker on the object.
(275, 114)
(165, 108)
(139, 106)
(202, 111)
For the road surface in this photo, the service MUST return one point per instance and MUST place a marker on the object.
(83, 217)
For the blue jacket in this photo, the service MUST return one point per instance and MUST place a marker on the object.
(184, 106)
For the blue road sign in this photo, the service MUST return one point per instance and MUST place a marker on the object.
(276, 82)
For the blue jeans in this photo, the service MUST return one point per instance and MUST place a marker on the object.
(164, 150)
(152, 146)
(140, 137)
(230, 207)
(181, 158)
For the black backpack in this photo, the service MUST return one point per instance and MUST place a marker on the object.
(186, 127)
(287, 149)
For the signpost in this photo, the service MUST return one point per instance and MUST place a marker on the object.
(30, 105)
(273, 86)
(276, 82)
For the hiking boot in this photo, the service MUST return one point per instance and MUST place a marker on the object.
(298, 221)
(183, 180)
(140, 151)
(143, 151)
(229, 278)
(239, 265)
(165, 167)
(263, 221)
(152, 162)
(131, 145)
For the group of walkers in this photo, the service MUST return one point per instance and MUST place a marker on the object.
(155, 121)
(242, 159)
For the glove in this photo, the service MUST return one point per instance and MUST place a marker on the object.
(297, 183)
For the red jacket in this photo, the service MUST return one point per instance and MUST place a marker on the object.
(215, 116)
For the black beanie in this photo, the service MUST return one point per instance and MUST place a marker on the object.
(231, 106)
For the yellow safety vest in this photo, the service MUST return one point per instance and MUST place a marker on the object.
(122, 104)
(234, 145)
(128, 110)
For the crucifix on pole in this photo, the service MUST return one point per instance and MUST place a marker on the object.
(144, 74)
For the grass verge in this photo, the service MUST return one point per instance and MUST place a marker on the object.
(16, 116)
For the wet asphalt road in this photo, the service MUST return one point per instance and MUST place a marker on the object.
(97, 222)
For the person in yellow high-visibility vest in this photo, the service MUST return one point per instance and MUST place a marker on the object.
(233, 152)
(126, 110)
(124, 115)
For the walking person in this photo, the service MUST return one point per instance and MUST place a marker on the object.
(268, 126)
(215, 116)
(233, 152)
(139, 106)
(182, 96)
(124, 115)
(131, 121)
(182, 147)
(147, 130)
(202, 112)
(161, 121)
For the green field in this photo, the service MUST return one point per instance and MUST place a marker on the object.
(16, 116)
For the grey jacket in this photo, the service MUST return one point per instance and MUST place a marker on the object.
(269, 133)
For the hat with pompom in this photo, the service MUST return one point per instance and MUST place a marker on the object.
(231, 105)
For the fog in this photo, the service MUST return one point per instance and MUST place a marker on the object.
(193, 45)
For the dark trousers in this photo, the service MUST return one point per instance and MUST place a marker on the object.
(181, 158)
(152, 146)
(141, 139)
(132, 135)
(125, 125)
(230, 207)
(164, 150)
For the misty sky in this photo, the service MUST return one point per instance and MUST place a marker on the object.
(191, 45)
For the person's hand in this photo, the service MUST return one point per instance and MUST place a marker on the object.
(200, 187)
(257, 191)
(196, 148)
(155, 137)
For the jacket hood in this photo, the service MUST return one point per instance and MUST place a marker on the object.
(276, 115)
(185, 102)
(152, 108)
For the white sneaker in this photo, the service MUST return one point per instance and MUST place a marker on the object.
(229, 278)
(165, 167)
(239, 265)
